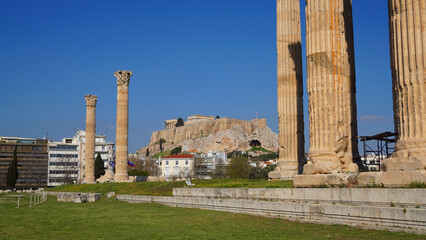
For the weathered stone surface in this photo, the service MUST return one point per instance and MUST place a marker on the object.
(309, 180)
(331, 87)
(89, 162)
(121, 138)
(290, 90)
(155, 179)
(401, 178)
(365, 179)
(108, 176)
(110, 194)
(407, 31)
(224, 134)
(78, 197)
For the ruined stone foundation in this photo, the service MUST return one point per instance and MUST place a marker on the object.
(290, 90)
(407, 24)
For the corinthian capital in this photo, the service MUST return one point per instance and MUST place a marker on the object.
(91, 100)
(123, 77)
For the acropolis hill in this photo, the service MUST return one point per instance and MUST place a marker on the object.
(225, 134)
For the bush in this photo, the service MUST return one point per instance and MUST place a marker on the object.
(261, 173)
(138, 173)
(176, 150)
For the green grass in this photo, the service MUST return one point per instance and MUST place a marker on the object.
(255, 149)
(166, 188)
(111, 219)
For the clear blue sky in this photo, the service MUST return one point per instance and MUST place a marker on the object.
(212, 57)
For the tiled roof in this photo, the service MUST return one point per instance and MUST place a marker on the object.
(180, 156)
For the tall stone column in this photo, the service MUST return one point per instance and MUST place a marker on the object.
(290, 90)
(407, 29)
(89, 155)
(331, 87)
(121, 138)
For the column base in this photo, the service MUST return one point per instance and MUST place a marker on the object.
(404, 163)
(122, 178)
(284, 171)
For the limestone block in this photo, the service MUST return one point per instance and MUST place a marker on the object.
(155, 179)
(368, 178)
(110, 194)
(407, 164)
(309, 180)
(107, 177)
(1, 191)
(401, 178)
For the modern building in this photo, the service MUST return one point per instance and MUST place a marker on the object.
(102, 147)
(64, 162)
(66, 158)
(177, 166)
(205, 164)
(32, 156)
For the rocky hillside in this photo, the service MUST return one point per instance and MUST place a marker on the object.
(224, 134)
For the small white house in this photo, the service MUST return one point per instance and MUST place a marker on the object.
(177, 166)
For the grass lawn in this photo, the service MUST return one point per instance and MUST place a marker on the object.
(166, 188)
(111, 219)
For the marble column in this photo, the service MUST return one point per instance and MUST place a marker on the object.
(121, 138)
(89, 155)
(290, 90)
(331, 87)
(407, 30)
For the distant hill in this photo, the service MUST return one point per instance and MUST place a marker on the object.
(224, 134)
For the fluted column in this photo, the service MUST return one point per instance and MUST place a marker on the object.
(89, 155)
(331, 87)
(121, 138)
(290, 90)
(407, 29)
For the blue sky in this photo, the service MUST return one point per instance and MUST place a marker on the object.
(211, 57)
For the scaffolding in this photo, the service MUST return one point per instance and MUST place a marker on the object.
(385, 143)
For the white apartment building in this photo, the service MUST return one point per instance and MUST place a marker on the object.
(66, 158)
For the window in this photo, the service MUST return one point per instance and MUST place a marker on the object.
(177, 162)
(186, 162)
(167, 162)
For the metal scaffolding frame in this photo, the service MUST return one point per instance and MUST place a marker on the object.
(384, 149)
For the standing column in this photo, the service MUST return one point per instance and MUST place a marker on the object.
(331, 87)
(89, 155)
(290, 90)
(121, 137)
(407, 30)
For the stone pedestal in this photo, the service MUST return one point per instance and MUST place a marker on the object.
(121, 138)
(407, 25)
(290, 90)
(331, 87)
(89, 155)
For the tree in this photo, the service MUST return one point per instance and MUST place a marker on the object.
(99, 166)
(180, 122)
(238, 168)
(162, 140)
(176, 150)
(12, 171)
(219, 171)
(261, 173)
(147, 152)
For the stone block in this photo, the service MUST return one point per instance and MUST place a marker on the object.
(405, 164)
(155, 179)
(1, 191)
(368, 178)
(110, 194)
(401, 178)
(309, 180)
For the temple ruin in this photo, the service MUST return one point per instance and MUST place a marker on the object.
(89, 165)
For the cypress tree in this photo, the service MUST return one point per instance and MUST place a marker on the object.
(12, 171)
(147, 152)
(99, 166)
